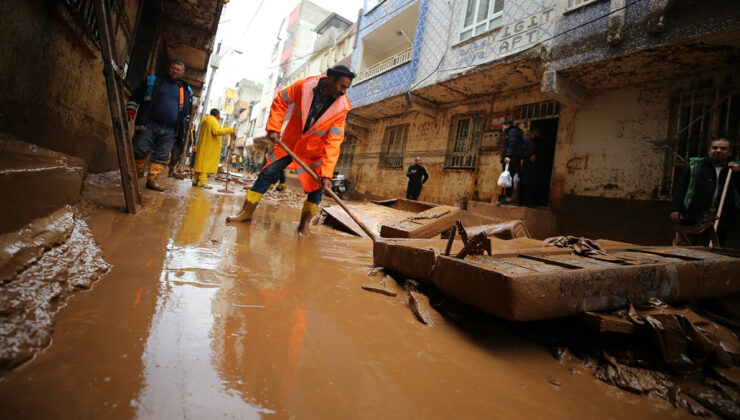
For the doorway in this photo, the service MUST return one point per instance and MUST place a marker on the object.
(538, 181)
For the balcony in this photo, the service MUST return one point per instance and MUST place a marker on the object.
(385, 65)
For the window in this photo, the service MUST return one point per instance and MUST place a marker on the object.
(346, 156)
(394, 146)
(697, 117)
(465, 133)
(481, 16)
(574, 4)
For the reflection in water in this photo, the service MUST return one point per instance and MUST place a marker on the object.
(180, 380)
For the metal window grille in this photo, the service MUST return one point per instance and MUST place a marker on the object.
(83, 12)
(394, 146)
(464, 140)
(346, 155)
(536, 111)
(697, 117)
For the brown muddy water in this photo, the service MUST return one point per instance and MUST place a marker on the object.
(202, 319)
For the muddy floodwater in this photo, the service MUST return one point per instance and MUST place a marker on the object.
(202, 319)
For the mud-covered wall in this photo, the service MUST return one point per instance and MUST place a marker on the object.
(53, 90)
(618, 144)
(604, 29)
(429, 138)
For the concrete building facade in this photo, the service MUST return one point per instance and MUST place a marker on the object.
(614, 88)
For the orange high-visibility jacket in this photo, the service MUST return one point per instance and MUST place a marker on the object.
(319, 146)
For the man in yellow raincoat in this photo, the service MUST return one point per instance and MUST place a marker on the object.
(208, 150)
(316, 108)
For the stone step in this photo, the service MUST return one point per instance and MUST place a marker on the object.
(35, 182)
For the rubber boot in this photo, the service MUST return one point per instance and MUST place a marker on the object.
(281, 187)
(307, 214)
(171, 171)
(140, 166)
(250, 203)
(151, 180)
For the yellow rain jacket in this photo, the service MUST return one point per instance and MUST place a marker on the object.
(319, 146)
(208, 150)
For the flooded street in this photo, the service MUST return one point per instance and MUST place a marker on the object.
(202, 319)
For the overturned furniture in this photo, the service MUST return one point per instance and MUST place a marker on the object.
(525, 280)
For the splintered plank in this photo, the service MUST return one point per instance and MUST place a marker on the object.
(640, 258)
(582, 261)
(426, 224)
(515, 265)
(603, 322)
(684, 253)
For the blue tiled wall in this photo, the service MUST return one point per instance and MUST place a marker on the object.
(395, 81)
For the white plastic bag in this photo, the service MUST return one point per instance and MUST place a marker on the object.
(504, 180)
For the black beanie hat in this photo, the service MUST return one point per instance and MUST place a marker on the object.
(340, 70)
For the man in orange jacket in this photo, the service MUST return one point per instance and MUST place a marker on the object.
(315, 131)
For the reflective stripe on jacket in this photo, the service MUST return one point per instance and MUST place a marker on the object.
(322, 141)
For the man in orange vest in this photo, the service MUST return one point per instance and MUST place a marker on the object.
(315, 131)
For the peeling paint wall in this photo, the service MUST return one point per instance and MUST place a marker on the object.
(617, 149)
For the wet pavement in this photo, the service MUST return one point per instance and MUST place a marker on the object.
(202, 319)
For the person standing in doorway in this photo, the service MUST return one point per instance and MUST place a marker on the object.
(161, 105)
(531, 178)
(511, 155)
(698, 191)
(209, 148)
(417, 177)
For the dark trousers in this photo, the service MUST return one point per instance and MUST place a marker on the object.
(156, 139)
(413, 191)
(271, 174)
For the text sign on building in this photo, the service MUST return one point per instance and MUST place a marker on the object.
(507, 40)
(520, 34)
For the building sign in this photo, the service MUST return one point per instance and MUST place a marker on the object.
(521, 34)
(497, 121)
(507, 40)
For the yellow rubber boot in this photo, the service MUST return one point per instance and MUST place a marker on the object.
(151, 180)
(140, 166)
(309, 211)
(250, 203)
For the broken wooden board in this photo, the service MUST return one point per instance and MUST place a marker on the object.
(372, 215)
(570, 284)
(603, 322)
(525, 281)
(509, 229)
(426, 224)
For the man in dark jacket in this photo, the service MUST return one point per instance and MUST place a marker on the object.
(164, 104)
(417, 177)
(699, 190)
(511, 154)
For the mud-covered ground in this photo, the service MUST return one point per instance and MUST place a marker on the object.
(197, 318)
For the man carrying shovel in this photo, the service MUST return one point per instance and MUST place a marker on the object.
(698, 198)
(315, 132)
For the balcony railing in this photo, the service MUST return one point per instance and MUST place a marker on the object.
(385, 65)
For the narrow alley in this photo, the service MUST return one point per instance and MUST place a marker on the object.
(202, 319)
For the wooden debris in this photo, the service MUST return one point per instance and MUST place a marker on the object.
(451, 239)
(419, 305)
(604, 322)
(374, 271)
(476, 246)
(377, 288)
